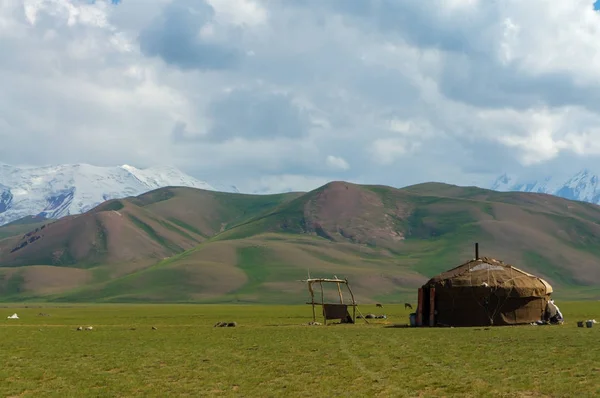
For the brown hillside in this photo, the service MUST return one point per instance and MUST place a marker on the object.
(343, 211)
(135, 232)
(101, 236)
(208, 212)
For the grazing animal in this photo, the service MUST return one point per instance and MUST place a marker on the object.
(154, 328)
(79, 328)
(89, 328)
(407, 305)
(378, 305)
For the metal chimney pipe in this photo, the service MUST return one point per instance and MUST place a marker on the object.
(476, 251)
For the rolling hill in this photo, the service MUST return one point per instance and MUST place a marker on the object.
(185, 244)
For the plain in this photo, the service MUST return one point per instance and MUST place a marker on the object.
(273, 352)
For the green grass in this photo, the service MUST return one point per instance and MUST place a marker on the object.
(184, 225)
(156, 283)
(154, 235)
(252, 260)
(21, 227)
(11, 286)
(113, 206)
(272, 353)
(260, 267)
(539, 263)
(178, 231)
(433, 256)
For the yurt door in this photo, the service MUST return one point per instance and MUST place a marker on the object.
(425, 306)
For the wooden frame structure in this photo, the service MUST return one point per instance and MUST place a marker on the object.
(332, 310)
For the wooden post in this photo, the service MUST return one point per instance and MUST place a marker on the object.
(312, 300)
(323, 304)
(353, 302)
(432, 307)
(340, 292)
(420, 308)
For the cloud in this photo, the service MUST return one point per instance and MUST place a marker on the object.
(260, 93)
(285, 183)
(337, 163)
(257, 114)
(185, 35)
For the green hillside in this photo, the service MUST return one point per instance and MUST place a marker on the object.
(21, 226)
(188, 245)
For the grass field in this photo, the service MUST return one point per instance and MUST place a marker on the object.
(273, 353)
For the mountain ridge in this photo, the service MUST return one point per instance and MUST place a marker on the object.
(60, 190)
(583, 186)
(192, 245)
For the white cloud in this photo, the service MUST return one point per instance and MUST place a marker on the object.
(336, 162)
(255, 92)
(387, 150)
(284, 183)
(240, 12)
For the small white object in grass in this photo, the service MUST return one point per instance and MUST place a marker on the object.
(13, 316)
(89, 328)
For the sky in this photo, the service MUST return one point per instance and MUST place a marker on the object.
(279, 95)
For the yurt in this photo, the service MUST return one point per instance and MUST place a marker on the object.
(483, 292)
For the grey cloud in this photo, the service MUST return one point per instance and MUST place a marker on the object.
(179, 134)
(483, 82)
(471, 71)
(385, 86)
(174, 36)
(418, 22)
(257, 114)
(477, 155)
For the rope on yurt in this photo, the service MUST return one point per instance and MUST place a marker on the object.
(485, 308)
(508, 294)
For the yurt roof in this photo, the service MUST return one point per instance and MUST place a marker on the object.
(486, 271)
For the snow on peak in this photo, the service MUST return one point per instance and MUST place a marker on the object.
(502, 182)
(59, 190)
(583, 186)
(162, 176)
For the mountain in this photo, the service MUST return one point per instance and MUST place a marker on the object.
(57, 191)
(185, 244)
(582, 186)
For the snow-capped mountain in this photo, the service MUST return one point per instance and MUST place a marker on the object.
(57, 191)
(583, 186)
